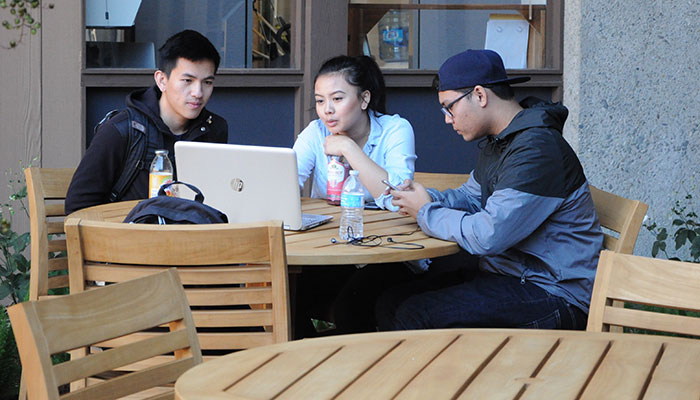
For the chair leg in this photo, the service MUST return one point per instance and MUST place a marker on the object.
(22, 389)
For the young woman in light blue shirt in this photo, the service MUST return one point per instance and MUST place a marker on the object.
(351, 106)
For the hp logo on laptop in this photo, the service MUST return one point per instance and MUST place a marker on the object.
(237, 184)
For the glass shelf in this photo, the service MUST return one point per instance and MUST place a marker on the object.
(421, 36)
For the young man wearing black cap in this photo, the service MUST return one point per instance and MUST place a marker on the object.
(526, 212)
(171, 110)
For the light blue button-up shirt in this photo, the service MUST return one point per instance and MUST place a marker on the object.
(391, 145)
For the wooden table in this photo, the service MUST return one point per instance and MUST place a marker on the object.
(314, 247)
(455, 363)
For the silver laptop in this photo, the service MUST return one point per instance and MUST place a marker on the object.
(247, 183)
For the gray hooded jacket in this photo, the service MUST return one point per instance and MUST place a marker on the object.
(526, 209)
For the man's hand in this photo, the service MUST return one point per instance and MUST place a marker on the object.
(410, 198)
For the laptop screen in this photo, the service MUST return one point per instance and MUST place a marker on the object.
(247, 183)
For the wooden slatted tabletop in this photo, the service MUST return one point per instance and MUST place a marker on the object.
(455, 364)
(314, 247)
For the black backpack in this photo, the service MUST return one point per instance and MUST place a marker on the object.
(142, 143)
(166, 210)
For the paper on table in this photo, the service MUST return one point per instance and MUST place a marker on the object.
(507, 35)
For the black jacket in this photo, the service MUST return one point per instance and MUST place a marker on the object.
(104, 159)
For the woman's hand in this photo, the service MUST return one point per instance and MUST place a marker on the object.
(338, 145)
(371, 174)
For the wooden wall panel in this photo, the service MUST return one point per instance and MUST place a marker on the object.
(20, 108)
(325, 36)
(62, 107)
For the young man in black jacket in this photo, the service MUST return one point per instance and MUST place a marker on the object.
(171, 110)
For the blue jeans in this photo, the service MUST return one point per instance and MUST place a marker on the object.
(476, 299)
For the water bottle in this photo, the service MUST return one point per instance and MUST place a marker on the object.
(336, 173)
(161, 172)
(352, 203)
(393, 36)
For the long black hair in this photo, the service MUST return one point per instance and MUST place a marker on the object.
(361, 72)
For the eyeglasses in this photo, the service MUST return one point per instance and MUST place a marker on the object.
(446, 109)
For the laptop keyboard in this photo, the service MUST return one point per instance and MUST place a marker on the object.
(309, 219)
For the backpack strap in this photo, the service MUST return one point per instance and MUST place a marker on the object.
(134, 127)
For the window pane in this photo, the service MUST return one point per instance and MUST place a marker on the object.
(248, 34)
(422, 34)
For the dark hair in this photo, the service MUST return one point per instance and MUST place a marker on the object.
(361, 72)
(502, 90)
(190, 45)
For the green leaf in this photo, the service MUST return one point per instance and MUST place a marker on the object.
(22, 264)
(23, 287)
(695, 248)
(19, 262)
(681, 237)
(678, 222)
(21, 242)
(662, 235)
(5, 290)
(655, 249)
(22, 193)
(662, 246)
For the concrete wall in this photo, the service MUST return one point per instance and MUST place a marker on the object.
(631, 82)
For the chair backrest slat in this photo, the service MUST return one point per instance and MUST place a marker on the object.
(54, 182)
(57, 264)
(219, 318)
(224, 274)
(133, 383)
(641, 281)
(132, 352)
(105, 242)
(440, 181)
(653, 321)
(85, 319)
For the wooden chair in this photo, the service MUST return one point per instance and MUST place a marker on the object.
(648, 281)
(46, 192)
(620, 215)
(215, 262)
(43, 328)
(440, 181)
